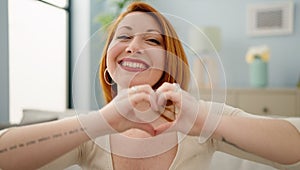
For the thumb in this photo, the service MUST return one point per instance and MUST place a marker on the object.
(145, 127)
(166, 127)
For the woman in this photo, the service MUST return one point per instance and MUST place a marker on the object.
(144, 75)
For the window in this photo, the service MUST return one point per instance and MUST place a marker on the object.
(38, 61)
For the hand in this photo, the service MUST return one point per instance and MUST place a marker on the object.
(190, 113)
(133, 108)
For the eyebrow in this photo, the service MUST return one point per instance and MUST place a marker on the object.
(148, 30)
(154, 30)
(127, 27)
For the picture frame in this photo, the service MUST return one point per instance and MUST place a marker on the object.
(271, 18)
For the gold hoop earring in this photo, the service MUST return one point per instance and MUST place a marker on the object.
(106, 78)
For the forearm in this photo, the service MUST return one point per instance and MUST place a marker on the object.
(276, 140)
(30, 147)
(33, 146)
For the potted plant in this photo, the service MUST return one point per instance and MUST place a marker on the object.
(117, 7)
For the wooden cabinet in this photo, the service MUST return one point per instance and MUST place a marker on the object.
(266, 101)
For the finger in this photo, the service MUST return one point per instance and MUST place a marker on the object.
(153, 102)
(165, 128)
(125, 105)
(145, 89)
(168, 87)
(164, 87)
(169, 113)
(142, 108)
(141, 88)
(137, 98)
(170, 95)
(145, 127)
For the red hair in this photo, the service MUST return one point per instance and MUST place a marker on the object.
(176, 68)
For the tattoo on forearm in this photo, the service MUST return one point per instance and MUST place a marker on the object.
(40, 140)
(232, 144)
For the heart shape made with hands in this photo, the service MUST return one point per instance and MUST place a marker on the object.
(168, 112)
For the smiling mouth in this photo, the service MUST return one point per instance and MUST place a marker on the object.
(133, 65)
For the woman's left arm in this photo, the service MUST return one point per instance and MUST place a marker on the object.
(274, 139)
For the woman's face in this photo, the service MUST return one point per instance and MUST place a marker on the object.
(136, 55)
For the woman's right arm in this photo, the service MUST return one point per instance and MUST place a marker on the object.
(32, 146)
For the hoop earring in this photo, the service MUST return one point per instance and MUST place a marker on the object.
(105, 78)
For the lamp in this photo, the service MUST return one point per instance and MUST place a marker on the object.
(205, 39)
(205, 42)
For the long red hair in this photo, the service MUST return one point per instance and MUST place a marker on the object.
(176, 68)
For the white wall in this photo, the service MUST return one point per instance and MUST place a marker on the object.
(230, 16)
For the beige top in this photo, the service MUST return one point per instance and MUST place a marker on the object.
(190, 154)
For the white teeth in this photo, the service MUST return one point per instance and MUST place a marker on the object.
(133, 65)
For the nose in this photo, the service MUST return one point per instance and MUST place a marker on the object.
(135, 46)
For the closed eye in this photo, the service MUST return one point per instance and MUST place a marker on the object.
(123, 37)
(154, 41)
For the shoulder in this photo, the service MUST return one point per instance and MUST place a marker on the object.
(96, 154)
(94, 147)
(226, 110)
(191, 144)
(192, 154)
